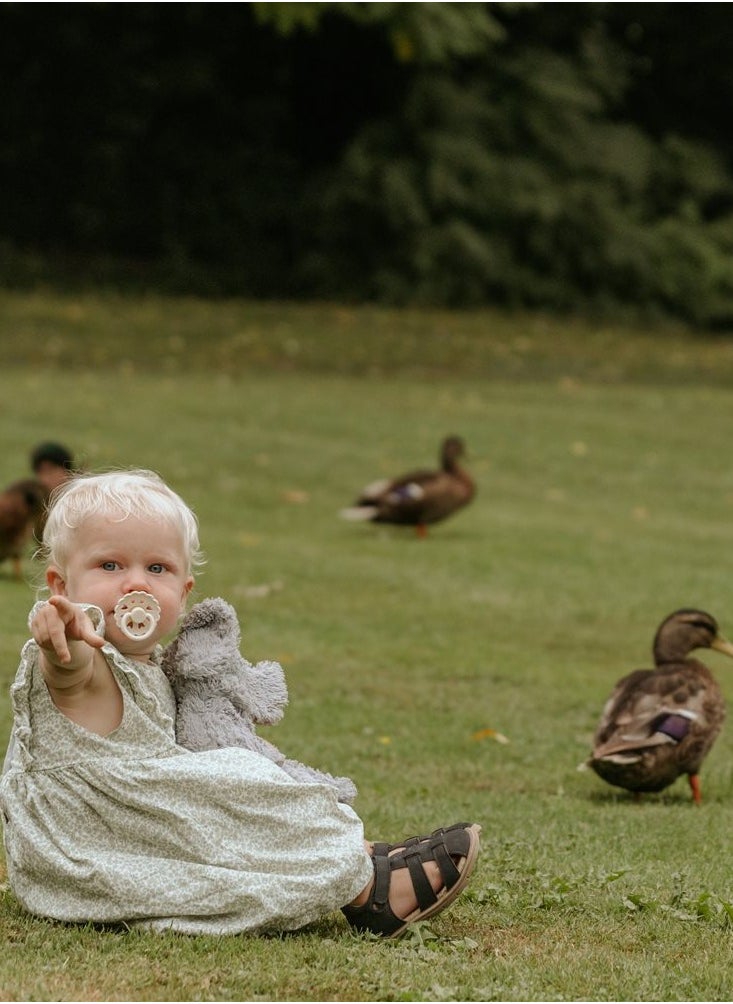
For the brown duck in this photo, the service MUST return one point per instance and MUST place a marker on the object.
(21, 505)
(420, 497)
(661, 723)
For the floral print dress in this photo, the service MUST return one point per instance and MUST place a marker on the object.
(132, 827)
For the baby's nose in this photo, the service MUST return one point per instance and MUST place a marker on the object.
(136, 579)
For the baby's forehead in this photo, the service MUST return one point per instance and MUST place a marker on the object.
(124, 526)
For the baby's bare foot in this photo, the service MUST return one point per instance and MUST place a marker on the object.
(402, 898)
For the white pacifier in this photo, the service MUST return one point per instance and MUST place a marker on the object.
(137, 614)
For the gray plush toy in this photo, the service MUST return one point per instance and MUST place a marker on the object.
(220, 696)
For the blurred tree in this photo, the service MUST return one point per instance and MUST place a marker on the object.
(682, 68)
(544, 154)
(513, 179)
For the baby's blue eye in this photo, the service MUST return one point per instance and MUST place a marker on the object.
(156, 568)
(109, 566)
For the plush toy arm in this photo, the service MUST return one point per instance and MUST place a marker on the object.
(258, 693)
(264, 692)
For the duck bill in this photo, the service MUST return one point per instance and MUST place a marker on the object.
(721, 644)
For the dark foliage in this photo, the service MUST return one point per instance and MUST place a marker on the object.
(557, 155)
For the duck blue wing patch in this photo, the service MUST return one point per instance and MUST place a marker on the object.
(674, 726)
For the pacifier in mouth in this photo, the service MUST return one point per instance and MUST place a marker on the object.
(137, 614)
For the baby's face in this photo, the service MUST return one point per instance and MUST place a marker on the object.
(110, 558)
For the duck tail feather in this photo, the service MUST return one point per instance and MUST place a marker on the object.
(358, 513)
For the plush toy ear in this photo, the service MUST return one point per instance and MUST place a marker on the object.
(215, 615)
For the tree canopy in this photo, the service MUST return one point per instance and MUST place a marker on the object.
(554, 155)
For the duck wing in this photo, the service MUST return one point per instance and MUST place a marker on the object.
(394, 499)
(651, 708)
(410, 493)
(424, 497)
(393, 489)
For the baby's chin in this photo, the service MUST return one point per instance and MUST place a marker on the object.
(131, 648)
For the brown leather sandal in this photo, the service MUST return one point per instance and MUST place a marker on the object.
(454, 850)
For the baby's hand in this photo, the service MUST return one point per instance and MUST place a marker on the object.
(58, 624)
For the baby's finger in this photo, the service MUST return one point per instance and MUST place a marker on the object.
(61, 647)
(90, 636)
(75, 624)
(66, 610)
(81, 628)
(49, 631)
(43, 620)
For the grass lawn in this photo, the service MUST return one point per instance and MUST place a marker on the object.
(605, 502)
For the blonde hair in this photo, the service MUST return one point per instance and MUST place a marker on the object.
(116, 495)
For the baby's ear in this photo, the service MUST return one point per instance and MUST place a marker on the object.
(55, 581)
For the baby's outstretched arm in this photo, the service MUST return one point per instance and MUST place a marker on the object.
(79, 680)
(65, 635)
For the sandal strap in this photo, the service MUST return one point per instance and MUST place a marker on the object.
(449, 873)
(381, 849)
(441, 847)
(380, 893)
(411, 841)
(413, 858)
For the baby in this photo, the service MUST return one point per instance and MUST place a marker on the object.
(107, 819)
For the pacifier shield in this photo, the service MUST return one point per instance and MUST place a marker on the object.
(137, 614)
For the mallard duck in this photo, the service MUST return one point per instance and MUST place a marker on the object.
(661, 723)
(420, 497)
(21, 504)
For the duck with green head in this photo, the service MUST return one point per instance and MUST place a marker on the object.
(661, 723)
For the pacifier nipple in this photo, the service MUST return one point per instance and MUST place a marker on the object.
(137, 614)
